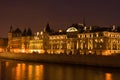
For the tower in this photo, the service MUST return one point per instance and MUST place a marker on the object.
(47, 28)
(10, 33)
(46, 33)
(84, 25)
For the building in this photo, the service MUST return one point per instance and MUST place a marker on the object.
(76, 39)
(18, 41)
(3, 44)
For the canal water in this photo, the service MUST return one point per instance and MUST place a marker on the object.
(18, 70)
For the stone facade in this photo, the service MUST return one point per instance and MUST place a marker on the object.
(77, 39)
(3, 44)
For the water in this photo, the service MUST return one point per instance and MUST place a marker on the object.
(16, 70)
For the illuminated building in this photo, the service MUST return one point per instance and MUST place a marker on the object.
(18, 41)
(3, 44)
(77, 39)
(36, 44)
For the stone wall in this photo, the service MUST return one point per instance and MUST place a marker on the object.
(91, 60)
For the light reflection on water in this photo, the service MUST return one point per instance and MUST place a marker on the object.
(14, 70)
(108, 76)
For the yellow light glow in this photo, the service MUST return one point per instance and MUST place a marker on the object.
(60, 30)
(41, 33)
(1, 49)
(72, 29)
(23, 50)
(30, 71)
(16, 50)
(96, 40)
(39, 72)
(38, 33)
(101, 40)
(23, 68)
(37, 51)
(108, 76)
(7, 64)
(90, 51)
(18, 72)
(106, 53)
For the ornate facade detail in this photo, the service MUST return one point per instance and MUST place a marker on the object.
(77, 39)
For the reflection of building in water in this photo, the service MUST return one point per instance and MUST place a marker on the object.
(33, 72)
(77, 39)
(20, 71)
(62, 72)
(108, 76)
(2, 70)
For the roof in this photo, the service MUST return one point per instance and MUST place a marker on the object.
(17, 31)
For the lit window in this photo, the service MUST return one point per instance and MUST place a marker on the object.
(101, 40)
(96, 40)
(100, 46)
(41, 33)
(97, 35)
(79, 36)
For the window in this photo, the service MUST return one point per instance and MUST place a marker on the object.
(71, 29)
(101, 40)
(97, 35)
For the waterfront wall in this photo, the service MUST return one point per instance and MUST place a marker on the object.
(91, 60)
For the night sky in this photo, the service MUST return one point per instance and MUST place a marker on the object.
(59, 13)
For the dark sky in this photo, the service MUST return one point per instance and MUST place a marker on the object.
(59, 13)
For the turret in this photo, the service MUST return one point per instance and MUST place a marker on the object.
(84, 25)
(10, 36)
(46, 33)
(113, 28)
(47, 28)
(10, 33)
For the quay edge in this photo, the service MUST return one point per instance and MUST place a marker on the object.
(87, 60)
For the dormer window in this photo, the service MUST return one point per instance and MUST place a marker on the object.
(72, 29)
